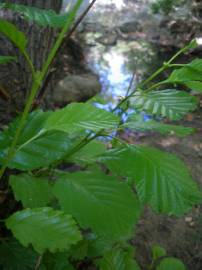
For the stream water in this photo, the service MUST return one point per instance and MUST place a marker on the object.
(119, 42)
(117, 38)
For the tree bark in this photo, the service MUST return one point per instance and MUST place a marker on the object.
(16, 78)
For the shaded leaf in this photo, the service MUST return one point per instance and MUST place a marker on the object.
(57, 261)
(195, 86)
(13, 256)
(79, 251)
(171, 264)
(89, 153)
(137, 123)
(157, 252)
(6, 59)
(36, 147)
(13, 34)
(90, 196)
(43, 151)
(170, 103)
(31, 191)
(161, 179)
(44, 228)
(42, 17)
(118, 259)
(99, 245)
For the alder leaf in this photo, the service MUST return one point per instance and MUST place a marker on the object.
(44, 228)
(161, 179)
(31, 191)
(170, 103)
(90, 196)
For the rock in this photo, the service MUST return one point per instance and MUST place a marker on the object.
(131, 26)
(108, 39)
(76, 88)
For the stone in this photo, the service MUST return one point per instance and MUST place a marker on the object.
(76, 88)
(131, 26)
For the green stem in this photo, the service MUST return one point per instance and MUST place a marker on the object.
(155, 86)
(26, 56)
(37, 80)
(176, 65)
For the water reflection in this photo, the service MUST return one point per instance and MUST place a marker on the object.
(116, 65)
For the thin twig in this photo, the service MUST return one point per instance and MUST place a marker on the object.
(80, 19)
(38, 262)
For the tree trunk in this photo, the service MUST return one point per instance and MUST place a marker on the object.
(16, 78)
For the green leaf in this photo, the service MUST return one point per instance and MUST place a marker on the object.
(195, 86)
(170, 103)
(57, 261)
(136, 122)
(158, 252)
(13, 256)
(31, 191)
(78, 117)
(7, 59)
(43, 151)
(79, 251)
(40, 16)
(90, 196)
(99, 245)
(36, 147)
(89, 153)
(118, 259)
(44, 228)
(161, 179)
(189, 72)
(189, 75)
(13, 34)
(171, 264)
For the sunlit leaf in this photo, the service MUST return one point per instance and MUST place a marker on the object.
(170, 103)
(137, 123)
(77, 117)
